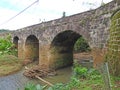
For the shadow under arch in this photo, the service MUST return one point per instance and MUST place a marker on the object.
(15, 42)
(62, 49)
(31, 48)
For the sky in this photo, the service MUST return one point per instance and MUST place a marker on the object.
(44, 10)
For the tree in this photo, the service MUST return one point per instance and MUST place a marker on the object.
(81, 45)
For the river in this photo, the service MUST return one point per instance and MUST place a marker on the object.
(18, 80)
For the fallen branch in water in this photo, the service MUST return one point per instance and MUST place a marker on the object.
(36, 76)
(44, 81)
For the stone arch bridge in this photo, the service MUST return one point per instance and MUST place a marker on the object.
(52, 42)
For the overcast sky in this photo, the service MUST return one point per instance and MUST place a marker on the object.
(44, 10)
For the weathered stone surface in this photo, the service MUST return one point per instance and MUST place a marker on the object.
(93, 25)
(113, 55)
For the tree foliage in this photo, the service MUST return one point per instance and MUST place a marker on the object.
(4, 30)
(81, 45)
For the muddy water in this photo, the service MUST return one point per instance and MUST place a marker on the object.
(63, 76)
(18, 80)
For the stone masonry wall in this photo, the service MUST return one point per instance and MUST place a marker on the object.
(93, 25)
(113, 55)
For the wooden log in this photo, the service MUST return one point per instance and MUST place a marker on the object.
(27, 68)
(36, 76)
(44, 80)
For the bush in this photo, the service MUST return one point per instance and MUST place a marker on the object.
(6, 46)
(93, 74)
(80, 72)
(83, 72)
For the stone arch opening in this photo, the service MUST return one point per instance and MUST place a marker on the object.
(62, 48)
(31, 49)
(15, 41)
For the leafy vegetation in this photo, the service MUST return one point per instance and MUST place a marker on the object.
(82, 79)
(9, 63)
(6, 46)
(31, 86)
(81, 45)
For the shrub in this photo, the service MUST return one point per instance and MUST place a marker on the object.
(83, 72)
(6, 46)
(93, 74)
(80, 72)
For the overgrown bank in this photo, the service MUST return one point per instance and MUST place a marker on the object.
(9, 63)
(82, 79)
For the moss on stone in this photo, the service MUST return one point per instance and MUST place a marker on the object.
(115, 12)
(113, 55)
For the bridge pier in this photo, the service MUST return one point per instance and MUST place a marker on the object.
(44, 55)
(55, 57)
(21, 54)
(61, 56)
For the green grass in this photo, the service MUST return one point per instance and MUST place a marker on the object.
(9, 64)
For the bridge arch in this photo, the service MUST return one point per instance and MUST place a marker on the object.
(31, 48)
(15, 41)
(62, 48)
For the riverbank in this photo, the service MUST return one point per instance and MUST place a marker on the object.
(64, 79)
(9, 64)
(18, 80)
